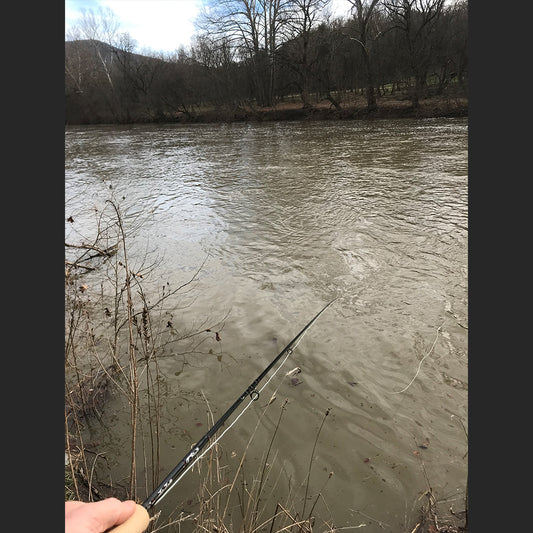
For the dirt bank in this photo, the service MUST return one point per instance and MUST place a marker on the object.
(324, 110)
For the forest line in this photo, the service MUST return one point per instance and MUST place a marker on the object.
(274, 59)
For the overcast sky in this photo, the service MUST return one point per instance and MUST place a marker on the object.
(158, 25)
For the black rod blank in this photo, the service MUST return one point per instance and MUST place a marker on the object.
(251, 391)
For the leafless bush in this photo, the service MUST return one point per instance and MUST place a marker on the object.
(113, 340)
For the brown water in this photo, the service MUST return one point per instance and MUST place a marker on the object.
(288, 216)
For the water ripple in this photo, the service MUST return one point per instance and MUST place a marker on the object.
(290, 215)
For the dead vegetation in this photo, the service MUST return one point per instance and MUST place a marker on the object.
(431, 518)
(114, 339)
(351, 107)
(431, 521)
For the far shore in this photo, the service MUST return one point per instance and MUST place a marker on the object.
(388, 107)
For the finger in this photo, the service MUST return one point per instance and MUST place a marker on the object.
(96, 517)
(127, 508)
(136, 523)
(72, 504)
(111, 512)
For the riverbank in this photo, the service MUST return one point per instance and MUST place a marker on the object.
(388, 108)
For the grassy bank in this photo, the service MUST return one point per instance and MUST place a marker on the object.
(353, 108)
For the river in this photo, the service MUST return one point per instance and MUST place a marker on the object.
(278, 219)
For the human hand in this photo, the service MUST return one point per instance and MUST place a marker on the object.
(97, 517)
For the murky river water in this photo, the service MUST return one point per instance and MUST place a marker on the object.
(288, 216)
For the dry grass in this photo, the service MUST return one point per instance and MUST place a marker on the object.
(114, 339)
(231, 501)
(349, 106)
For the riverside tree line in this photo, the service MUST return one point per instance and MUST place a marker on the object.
(253, 54)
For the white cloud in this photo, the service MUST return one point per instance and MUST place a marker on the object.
(341, 8)
(160, 25)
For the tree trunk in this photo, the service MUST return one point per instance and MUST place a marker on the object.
(333, 101)
(371, 103)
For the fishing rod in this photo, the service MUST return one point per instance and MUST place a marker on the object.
(193, 455)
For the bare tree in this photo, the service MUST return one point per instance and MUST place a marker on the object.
(458, 42)
(367, 32)
(100, 26)
(301, 22)
(88, 93)
(334, 60)
(137, 76)
(253, 27)
(127, 76)
(76, 67)
(219, 79)
(417, 21)
(248, 53)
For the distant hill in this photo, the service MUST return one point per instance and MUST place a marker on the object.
(88, 47)
(109, 84)
(104, 83)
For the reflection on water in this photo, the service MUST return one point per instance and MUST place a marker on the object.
(290, 215)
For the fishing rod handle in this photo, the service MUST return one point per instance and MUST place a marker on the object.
(136, 523)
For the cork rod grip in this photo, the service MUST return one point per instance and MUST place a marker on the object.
(136, 523)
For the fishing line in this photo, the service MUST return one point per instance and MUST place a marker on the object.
(420, 363)
(192, 457)
(224, 432)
